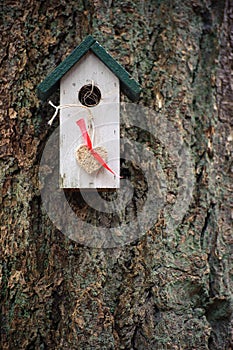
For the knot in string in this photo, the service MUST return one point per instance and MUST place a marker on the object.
(57, 108)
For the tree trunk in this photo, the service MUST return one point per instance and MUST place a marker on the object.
(168, 289)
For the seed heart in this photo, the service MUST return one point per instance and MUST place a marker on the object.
(87, 161)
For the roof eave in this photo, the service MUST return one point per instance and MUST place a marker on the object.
(128, 85)
(51, 82)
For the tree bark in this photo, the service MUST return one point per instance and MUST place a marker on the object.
(156, 292)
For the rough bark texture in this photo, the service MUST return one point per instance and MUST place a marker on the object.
(155, 293)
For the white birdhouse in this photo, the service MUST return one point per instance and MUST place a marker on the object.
(90, 82)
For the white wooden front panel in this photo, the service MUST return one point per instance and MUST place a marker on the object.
(106, 122)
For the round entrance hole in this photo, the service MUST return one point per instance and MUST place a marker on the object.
(89, 95)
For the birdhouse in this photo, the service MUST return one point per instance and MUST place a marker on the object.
(90, 82)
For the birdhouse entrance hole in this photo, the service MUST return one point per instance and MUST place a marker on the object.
(89, 95)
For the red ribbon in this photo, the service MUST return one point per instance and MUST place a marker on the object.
(86, 137)
(87, 140)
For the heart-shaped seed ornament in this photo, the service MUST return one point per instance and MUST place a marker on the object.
(87, 161)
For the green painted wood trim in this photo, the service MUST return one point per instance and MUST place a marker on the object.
(128, 85)
(51, 82)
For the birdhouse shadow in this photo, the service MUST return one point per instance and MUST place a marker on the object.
(124, 212)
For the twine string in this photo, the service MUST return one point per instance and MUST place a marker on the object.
(90, 96)
(90, 116)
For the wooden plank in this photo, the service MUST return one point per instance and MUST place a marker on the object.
(106, 120)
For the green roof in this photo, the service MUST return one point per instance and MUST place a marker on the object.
(51, 83)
